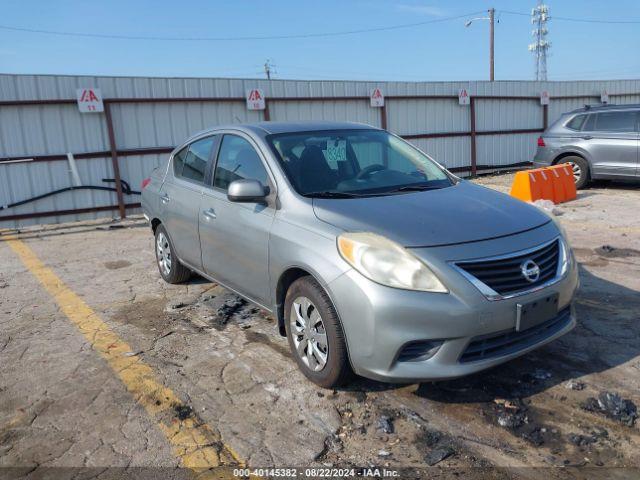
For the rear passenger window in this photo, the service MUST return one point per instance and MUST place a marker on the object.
(192, 163)
(238, 160)
(178, 161)
(616, 121)
(590, 125)
(576, 122)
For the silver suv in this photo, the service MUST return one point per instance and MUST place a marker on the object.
(598, 142)
(371, 256)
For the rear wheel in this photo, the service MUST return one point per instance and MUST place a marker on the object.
(315, 335)
(580, 168)
(171, 270)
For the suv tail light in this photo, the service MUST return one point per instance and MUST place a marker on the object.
(541, 142)
(147, 181)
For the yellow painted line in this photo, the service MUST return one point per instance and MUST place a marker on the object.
(196, 444)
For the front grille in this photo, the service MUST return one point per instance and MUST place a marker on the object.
(504, 343)
(504, 275)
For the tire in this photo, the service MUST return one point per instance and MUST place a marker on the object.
(336, 370)
(171, 270)
(580, 167)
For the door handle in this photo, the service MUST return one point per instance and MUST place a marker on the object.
(165, 198)
(209, 214)
(587, 137)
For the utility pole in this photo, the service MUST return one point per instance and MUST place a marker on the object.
(539, 18)
(492, 12)
(491, 18)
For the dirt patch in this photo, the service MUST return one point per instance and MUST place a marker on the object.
(117, 264)
(146, 314)
(614, 252)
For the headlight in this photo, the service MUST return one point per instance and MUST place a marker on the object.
(386, 262)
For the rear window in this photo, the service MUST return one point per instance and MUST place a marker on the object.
(576, 122)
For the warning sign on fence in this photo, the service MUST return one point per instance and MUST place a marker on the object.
(377, 98)
(544, 97)
(255, 99)
(463, 97)
(89, 100)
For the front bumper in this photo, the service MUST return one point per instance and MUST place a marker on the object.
(379, 321)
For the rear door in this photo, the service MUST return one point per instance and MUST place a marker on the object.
(180, 198)
(235, 236)
(611, 138)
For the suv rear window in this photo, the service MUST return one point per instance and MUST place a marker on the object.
(576, 122)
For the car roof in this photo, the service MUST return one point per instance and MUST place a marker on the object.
(600, 108)
(267, 128)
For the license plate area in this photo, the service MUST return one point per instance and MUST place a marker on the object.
(536, 312)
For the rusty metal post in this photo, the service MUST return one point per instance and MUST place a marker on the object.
(383, 116)
(267, 114)
(472, 122)
(114, 159)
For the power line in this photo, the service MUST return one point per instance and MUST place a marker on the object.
(573, 19)
(230, 39)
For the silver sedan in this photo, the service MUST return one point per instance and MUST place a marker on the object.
(374, 259)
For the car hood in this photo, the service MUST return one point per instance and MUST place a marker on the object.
(462, 213)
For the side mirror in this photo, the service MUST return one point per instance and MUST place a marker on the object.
(247, 191)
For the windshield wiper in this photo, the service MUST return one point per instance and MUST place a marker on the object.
(329, 194)
(414, 188)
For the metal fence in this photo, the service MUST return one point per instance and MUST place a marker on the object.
(145, 117)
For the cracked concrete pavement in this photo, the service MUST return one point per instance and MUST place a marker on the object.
(61, 405)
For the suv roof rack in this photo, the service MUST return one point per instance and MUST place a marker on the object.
(606, 107)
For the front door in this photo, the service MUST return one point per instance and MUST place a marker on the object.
(612, 140)
(180, 197)
(234, 237)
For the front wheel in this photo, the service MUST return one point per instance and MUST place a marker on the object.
(580, 169)
(171, 270)
(315, 335)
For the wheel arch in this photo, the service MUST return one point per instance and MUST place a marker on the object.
(570, 154)
(285, 280)
(154, 224)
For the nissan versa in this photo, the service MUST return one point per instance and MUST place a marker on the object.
(373, 258)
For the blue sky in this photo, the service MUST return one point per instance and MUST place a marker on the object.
(438, 51)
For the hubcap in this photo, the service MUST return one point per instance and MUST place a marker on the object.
(309, 334)
(163, 253)
(577, 171)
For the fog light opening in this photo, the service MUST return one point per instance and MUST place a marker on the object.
(419, 351)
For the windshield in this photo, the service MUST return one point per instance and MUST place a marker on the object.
(350, 163)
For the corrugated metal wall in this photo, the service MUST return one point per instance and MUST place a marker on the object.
(36, 130)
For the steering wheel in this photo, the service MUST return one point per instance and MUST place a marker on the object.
(367, 171)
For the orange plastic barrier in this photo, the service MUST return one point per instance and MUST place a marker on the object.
(551, 183)
(564, 180)
(527, 186)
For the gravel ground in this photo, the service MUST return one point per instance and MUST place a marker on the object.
(568, 405)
